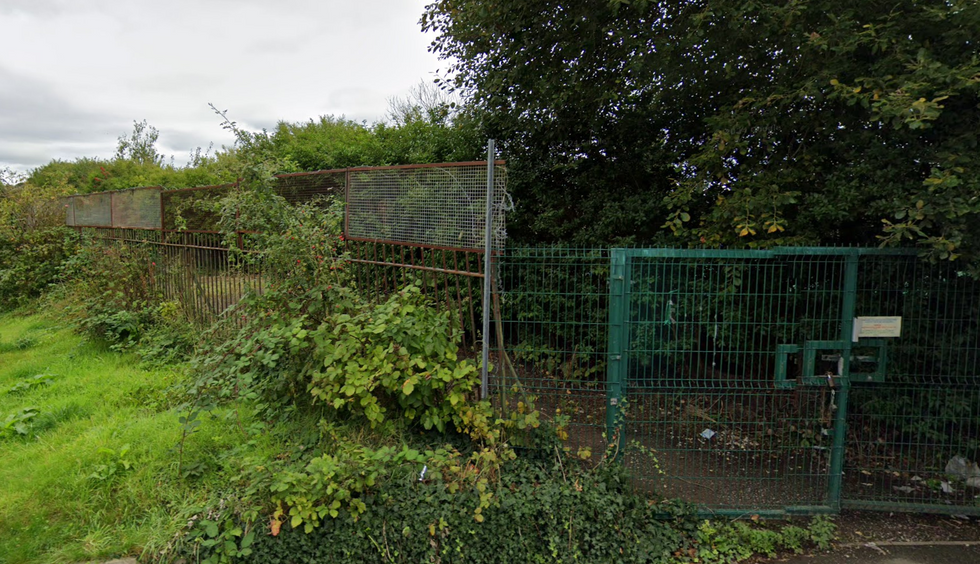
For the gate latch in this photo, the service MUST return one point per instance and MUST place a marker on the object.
(830, 379)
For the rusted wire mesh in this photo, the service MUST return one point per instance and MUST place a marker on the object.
(90, 210)
(306, 186)
(137, 208)
(440, 206)
(193, 209)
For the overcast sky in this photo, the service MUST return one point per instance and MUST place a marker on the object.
(75, 74)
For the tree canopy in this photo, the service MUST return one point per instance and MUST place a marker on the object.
(730, 122)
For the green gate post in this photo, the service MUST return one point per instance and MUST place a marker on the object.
(618, 337)
(840, 416)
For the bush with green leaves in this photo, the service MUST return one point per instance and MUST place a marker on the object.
(111, 292)
(30, 262)
(544, 510)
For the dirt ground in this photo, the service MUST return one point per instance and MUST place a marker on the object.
(892, 555)
(870, 526)
(869, 537)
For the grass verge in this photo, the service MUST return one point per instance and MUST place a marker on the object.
(87, 440)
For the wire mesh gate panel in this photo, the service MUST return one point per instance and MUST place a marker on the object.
(709, 349)
(772, 382)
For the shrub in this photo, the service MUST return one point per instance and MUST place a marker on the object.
(30, 262)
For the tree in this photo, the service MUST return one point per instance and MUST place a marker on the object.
(325, 144)
(745, 123)
(429, 125)
(565, 89)
(140, 146)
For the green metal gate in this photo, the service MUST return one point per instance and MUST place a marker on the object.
(797, 380)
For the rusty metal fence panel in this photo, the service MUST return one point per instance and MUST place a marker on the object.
(137, 208)
(420, 223)
(195, 270)
(441, 206)
(302, 187)
(90, 210)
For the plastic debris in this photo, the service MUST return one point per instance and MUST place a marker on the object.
(961, 468)
(708, 433)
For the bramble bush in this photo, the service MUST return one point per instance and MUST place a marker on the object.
(29, 262)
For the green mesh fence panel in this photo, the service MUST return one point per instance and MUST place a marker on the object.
(914, 418)
(784, 381)
(551, 329)
(137, 208)
(701, 339)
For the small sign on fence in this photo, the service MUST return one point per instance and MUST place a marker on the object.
(877, 327)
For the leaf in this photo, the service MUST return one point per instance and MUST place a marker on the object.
(408, 387)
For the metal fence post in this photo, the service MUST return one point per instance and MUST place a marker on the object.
(487, 273)
(618, 335)
(848, 306)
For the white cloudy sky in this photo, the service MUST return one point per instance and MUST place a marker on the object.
(75, 74)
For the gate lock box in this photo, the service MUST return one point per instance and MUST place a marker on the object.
(868, 362)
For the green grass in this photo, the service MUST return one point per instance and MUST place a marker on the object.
(66, 494)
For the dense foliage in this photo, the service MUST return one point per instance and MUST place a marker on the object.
(33, 240)
(730, 122)
(424, 127)
(30, 263)
(544, 512)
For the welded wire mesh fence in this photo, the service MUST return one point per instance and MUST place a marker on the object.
(748, 381)
(193, 209)
(778, 381)
(90, 210)
(551, 327)
(423, 224)
(436, 206)
(306, 186)
(914, 418)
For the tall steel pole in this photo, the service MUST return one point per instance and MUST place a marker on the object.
(487, 274)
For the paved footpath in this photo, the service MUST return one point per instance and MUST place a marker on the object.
(893, 555)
